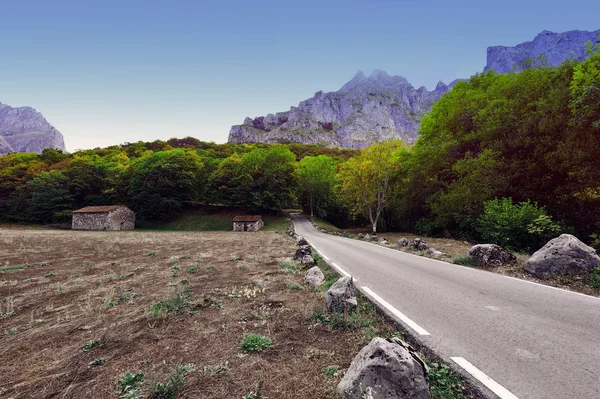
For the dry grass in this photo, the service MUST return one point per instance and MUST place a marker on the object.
(76, 287)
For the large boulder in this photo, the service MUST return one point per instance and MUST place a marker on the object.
(563, 255)
(360, 235)
(418, 244)
(301, 241)
(491, 255)
(307, 260)
(314, 276)
(386, 369)
(341, 295)
(302, 251)
(403, 242)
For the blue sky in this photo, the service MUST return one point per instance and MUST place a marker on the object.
(107, 72)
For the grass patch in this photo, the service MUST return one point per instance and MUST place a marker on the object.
(255, 343)
(290, 266)
(177, 303)
(465, 261)
(173, 383)
(93, 344)
(295, 287)
(98, 362)
(129, 385)
(443, 382)
(219, 368)
(594, 278)
(13, 267)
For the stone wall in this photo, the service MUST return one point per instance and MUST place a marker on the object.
(90, 221)
(250, 226)
(119, 219)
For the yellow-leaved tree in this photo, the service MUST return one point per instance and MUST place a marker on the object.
(368, 180)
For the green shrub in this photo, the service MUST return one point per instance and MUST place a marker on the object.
(465, 261)
(128, 386)
(443, 382)
(255, 395)
(519, 227)
(171, 386)
(594, 278)
(255, 343)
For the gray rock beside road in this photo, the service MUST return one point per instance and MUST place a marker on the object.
(563, 255)
(301, 241)
(491, 255)
(403, 242)
(314, 276)
(385, 369)
(419, 244)
(341, 295)
(435, 253)
(302, 251)
(307, 260)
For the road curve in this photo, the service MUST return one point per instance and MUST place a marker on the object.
(535, 341)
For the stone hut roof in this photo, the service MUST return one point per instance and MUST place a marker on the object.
(248, 218)
(98, 209)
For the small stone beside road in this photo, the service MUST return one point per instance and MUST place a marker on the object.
(419, 244)
(314, 277)
(341, 296)
(435, 253)
(491, 255)
(307, 260)
(403, 242)
(302, 251)
(563, 255)
(386, 369)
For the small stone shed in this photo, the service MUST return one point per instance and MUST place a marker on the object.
(111, 217)
(247, 223)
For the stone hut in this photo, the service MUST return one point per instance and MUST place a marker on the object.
(111, 217)
(247, 223)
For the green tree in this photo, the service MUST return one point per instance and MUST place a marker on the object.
(163, 182)
(50, 200)
(316, 182)
(368, 180)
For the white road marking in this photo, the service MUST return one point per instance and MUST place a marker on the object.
(418, 329)
(493, 386)
(340, 270)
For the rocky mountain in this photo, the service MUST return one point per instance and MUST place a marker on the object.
(553, 48)
(377, 107)
(23, 129)
(366, 109)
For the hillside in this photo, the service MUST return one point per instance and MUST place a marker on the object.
(374, 108)
(367, 109)
(23, 129)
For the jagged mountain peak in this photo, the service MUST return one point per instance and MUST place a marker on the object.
(23, 129)
(553, 48)
(366, 109)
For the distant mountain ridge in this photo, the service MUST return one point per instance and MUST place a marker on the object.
(365, 110)
(23, 129)
(554, 48)
(373, 108)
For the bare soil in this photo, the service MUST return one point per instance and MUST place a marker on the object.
(60, 290)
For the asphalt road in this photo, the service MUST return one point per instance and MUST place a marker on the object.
(534, 341)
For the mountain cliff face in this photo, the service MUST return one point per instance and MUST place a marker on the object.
(24, 129)
(366, 109)
(554, 49)
(378, 107)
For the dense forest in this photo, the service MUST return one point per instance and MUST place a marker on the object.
(508, 158)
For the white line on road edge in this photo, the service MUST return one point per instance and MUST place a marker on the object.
(498, 389)
(340, 270)
(418, 329)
